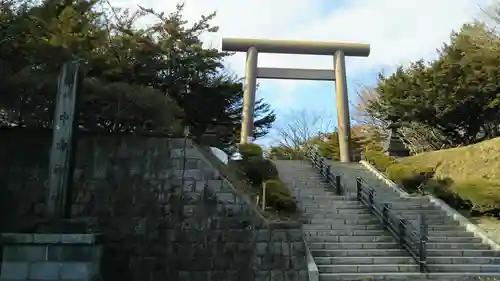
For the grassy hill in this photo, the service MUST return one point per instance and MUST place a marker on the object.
(474, 162)
(472, 173)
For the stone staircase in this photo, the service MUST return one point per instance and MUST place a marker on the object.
(348, 243)
(452, 251)
(345, 240)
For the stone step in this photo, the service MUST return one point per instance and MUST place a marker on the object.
(406, 276)
(426, 217)
(454, 239)
(333, 225)
(353, 246)
(436, 221)
(461, 253)
(418, 213)
(308, 197)
(315, 215)
(315, 191)
(464, 268)
(403, 201)
(336, 204)
(369, 219)
(363, 260)
(330, 195)
(424, 210)
(449, 222)
(319, 208)
(367, 214)
(440, 220)
(421, 214)
(331, 209)
(358, 239)
(359, 253)
(345, 211)
(446, 227)
(462, 246)
(336, 214)
(450, 234)
(410, 206)
(464, 260)
(355, 221)
(333, 217)
(385, 193)
(400, 202)
(321, 231)
(337, 229)
(329, 201)
(414, 199)
(348, 238)
(368, 268)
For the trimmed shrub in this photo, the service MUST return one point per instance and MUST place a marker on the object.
(442, 189)
(258, 170)
(409, 177)
(248, 150)
(276, 186)
(378, 159)
(279, 197)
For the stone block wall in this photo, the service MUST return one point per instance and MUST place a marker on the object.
(50, 257)
(163, 210)
(227, 235)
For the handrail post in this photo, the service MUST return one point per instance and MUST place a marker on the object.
(358, 188)
(263, 196)
(337, 185)
(423, 242)
(370, 198)
(402, 231)
(385, 213)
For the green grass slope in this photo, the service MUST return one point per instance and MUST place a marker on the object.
(474, 172)
(480, 161)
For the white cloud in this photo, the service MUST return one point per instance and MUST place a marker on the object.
(399, 31)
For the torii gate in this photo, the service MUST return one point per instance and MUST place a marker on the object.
(338, 50)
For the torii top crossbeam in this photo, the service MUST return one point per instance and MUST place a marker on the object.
(296, 47)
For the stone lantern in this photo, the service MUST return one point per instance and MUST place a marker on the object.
(394, 145)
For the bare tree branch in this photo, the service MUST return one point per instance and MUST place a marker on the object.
(301, 126)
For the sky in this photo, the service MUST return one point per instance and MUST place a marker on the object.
(398, 31)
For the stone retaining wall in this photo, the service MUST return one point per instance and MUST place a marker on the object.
(162, 209)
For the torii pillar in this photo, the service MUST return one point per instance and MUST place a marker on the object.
(338, 50)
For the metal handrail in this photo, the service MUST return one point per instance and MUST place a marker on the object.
(325, 170)
(411, 238)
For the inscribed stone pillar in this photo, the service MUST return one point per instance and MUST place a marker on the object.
(61, 164)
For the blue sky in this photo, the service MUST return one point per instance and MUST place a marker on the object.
(399, 31)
